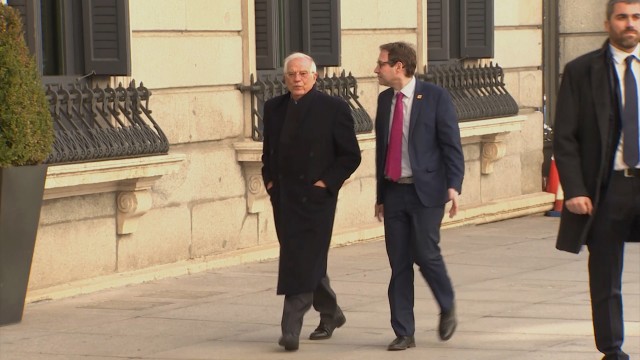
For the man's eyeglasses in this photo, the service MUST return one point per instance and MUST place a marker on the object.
(382, 63)
(303, 74)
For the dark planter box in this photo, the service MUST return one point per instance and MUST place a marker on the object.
(21, 191)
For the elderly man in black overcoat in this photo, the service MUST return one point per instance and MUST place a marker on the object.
(309, 150)
(596, 121)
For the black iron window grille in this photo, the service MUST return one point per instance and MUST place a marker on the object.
(478, 92)
(344, 86)
(103, 123)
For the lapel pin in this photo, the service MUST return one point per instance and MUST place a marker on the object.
(419, 96)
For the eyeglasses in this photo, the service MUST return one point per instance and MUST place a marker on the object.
(382, 63)
(293, 74)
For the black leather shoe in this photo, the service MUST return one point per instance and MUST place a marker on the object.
(620, 355)
(324, 331)
(448, 324)
(402, 343)
(289, 342)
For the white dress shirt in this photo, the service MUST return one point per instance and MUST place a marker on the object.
(619, 57)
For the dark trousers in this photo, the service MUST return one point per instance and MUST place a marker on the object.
(412, 235)
(615, 218)
(323, 299)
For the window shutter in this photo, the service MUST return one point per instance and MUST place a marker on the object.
(266, 40)
(476, 29)
(106, 41)
(321, 31)
(27, 9)
(438, 30)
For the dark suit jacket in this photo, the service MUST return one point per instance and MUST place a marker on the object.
(323, 147)
(586, 134)
(435, 150)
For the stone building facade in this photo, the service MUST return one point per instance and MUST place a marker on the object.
(203, 205)
(573, 28)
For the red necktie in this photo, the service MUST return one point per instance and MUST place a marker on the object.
(394, 150)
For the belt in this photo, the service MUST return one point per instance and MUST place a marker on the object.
(630, 173)
(402, 180)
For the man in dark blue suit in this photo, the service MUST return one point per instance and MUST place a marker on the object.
(419, 168)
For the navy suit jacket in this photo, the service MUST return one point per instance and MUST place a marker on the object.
(435, 150)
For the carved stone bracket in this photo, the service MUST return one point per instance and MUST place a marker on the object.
(490, 133)
(249, 154)
(131, 206)
(493, 149)
(131, 179)
(256, 192)
(133, 201)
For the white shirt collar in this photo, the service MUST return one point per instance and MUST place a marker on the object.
(409, 89)
(619, 56)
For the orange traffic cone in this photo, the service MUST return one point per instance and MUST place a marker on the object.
(554, 187)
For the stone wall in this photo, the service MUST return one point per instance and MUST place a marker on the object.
(207, 209)
(580, 27)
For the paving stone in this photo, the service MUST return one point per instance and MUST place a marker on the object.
(517, 298)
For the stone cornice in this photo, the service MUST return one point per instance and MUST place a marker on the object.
(469, 129)
(132, 179)
(489, 132)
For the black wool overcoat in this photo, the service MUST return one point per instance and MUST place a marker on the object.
(323, 147)
(586, 135)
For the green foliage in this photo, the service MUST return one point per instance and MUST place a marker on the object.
(26, 130)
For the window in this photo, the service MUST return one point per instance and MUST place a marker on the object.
(459, 29)
(71, 38)
(286, 26)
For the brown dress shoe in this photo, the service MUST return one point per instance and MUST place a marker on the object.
(324, 330)
(402, 343)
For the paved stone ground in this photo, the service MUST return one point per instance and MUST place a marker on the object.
(518, 298)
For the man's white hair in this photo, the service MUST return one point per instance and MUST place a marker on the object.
(299, 55)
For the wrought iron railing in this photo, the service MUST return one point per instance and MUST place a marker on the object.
(478, 91)
(103, 123)
(345, 86)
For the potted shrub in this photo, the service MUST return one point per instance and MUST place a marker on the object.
(26, 136)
